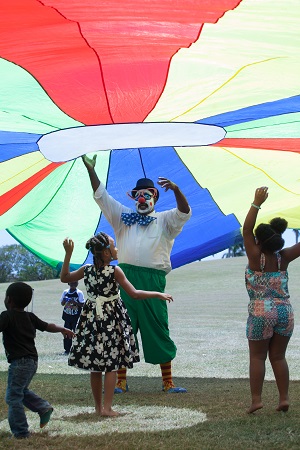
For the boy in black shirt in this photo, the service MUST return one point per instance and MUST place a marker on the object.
(19, 331)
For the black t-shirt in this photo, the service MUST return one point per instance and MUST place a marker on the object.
(19, 331)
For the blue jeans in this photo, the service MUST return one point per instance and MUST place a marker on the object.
(70, 322)
(20, 374)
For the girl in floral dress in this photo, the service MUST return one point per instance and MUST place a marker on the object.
(104, 340)
(271, 319)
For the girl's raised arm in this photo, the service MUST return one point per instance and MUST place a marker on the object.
(135, 293)
(261, 195)
(65, 275)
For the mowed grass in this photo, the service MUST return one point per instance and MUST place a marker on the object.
(223, 401)
(207, 322)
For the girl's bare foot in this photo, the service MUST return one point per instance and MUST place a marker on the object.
(283, 406)
(254, 407)
(109, 413)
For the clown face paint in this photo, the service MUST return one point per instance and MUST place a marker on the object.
(144, 201)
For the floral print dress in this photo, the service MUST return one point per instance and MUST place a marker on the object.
(104, 340)
(269, 306)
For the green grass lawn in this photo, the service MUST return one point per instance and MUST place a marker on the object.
(207, 322)
(222, 401)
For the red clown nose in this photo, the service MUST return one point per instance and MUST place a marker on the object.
(141, 200)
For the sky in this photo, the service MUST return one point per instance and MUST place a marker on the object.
(6, 239)
(289, 237)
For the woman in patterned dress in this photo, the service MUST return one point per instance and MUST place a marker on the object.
(104, 340)
(271, 320)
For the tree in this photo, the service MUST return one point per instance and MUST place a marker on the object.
(6, 264)
(18, 264)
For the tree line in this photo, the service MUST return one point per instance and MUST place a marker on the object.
(19, 264)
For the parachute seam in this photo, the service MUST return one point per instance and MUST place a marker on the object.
(267, 125)
(21, 171)
(50, 200)
(141, 160)
(260, 170)
(89, 46)
(224, 84)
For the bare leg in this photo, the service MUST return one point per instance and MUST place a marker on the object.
(278, 346)
(258, 354)
(109, 388)
(96, 385)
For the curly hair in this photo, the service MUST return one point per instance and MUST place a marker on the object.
(269, 236)
(96, 245)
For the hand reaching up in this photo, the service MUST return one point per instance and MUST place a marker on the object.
(261, 195)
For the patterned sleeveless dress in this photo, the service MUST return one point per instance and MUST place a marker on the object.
(269, 307)
(104, 340)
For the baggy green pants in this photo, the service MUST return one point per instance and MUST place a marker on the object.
(149, 316)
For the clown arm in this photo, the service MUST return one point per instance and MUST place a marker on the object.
(90, 165)
(182, 203)
(110, 207)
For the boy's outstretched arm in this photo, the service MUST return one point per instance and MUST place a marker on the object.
(52, 328)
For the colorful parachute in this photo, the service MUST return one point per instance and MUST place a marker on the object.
(157, 67)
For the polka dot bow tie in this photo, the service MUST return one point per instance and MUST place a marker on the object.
(132, 218)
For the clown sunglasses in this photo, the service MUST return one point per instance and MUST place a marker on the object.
(142, 193)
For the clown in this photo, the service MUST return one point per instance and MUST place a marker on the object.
(145, 239)
(145, 196)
